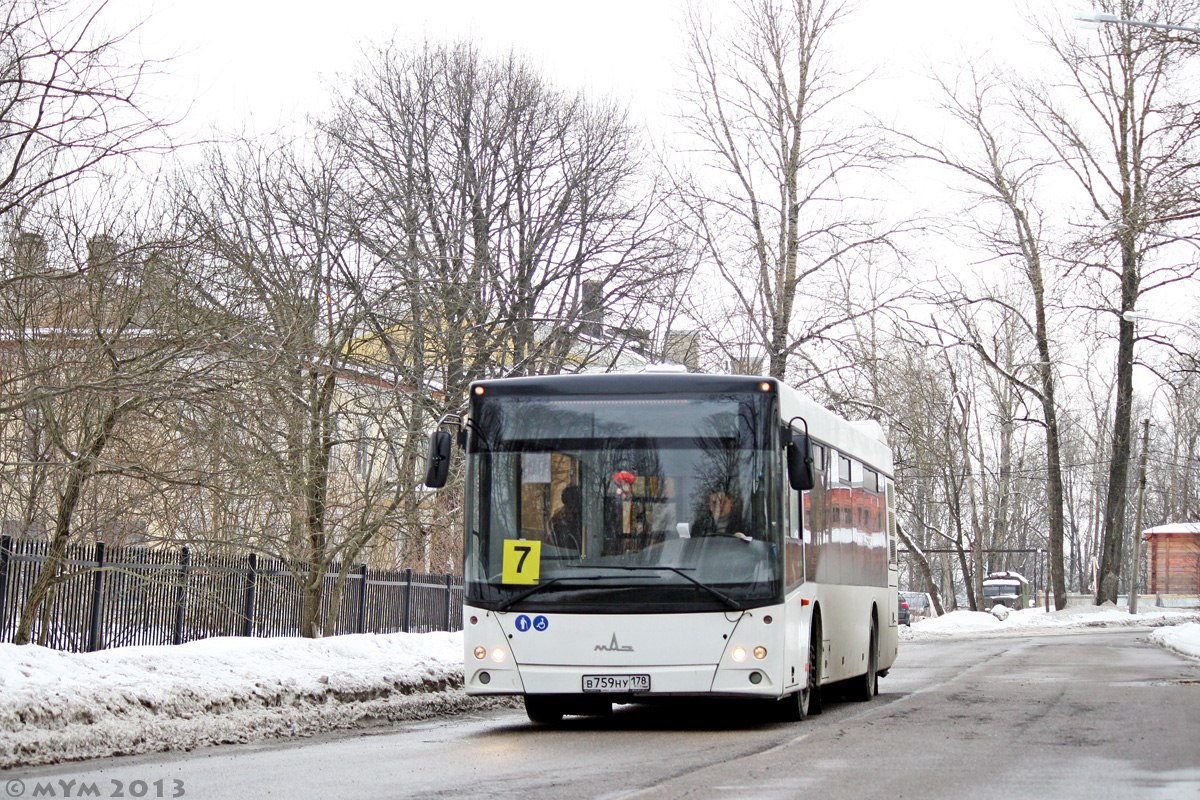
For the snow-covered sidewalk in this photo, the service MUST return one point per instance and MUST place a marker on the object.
(58, 706)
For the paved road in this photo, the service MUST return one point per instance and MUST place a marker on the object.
(1082, 715)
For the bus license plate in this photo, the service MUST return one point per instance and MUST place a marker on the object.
(616, 683)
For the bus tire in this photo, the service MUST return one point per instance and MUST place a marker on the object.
(805, 703)
(794, 707)
(864, 687)
(815, 706)
(543, 709)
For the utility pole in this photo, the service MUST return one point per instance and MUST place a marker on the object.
(1137, 520)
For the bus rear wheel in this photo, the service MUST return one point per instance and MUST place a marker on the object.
(814, 671)
(867, 685)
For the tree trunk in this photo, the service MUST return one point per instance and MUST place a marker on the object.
(52, 571)
(1118, 474)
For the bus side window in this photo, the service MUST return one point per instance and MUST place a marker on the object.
(793, 544)
(815, 506)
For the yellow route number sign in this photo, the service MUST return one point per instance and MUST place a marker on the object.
(522, 561)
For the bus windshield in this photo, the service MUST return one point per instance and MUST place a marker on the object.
(634, 503)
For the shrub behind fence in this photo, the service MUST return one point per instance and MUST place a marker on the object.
(114, 597)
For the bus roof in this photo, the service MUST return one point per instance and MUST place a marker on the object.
(653, 382)
(862, 439)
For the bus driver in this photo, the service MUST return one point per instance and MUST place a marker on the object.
(722, 517)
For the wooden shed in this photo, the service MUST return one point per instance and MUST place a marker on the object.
(1173, 559)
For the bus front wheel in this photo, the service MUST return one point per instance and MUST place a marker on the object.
(543, 709)
(807, 701)
(795, 707)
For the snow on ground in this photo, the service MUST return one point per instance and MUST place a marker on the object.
(1170, 624)
(57, 706)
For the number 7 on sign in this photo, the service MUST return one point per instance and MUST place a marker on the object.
(522, 561)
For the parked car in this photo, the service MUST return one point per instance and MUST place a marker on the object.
(920, 605)
(1005, 589)
(902, 615)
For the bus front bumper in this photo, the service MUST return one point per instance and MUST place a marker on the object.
(688, 680)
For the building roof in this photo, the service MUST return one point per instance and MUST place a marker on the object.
(1192, 528)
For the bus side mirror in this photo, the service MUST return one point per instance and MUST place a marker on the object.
(437, 466)
(800, 463)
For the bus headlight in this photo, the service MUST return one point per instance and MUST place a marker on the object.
(740, 654)
(498, 655)
(480, 652)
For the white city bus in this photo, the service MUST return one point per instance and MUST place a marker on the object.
(595, 572)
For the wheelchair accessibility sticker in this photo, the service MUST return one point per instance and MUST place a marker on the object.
(538, 623)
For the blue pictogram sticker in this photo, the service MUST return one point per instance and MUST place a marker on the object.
(541, 623)
(523, 623)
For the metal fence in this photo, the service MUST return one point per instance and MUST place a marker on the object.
(115, 597)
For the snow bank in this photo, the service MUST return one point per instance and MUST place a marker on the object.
(1184, 639)
(1031, 620)
(63, 706)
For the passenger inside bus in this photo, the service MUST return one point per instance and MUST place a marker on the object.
(566, 523)
(721, 517)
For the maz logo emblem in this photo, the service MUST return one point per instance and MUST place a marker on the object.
(613, 647)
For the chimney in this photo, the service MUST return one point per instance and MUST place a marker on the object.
(593, 309)
(102, 253)
(745, 362)
(29, 253)
(683, 347)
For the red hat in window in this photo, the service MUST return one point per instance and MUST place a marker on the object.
(624, 477)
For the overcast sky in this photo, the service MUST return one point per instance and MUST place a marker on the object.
(256, 63)
(255, 66)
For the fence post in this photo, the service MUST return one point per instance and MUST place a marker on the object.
(97, 600)
(6, 546)
(449, 599)
(362, 598)
(181, 595)
(248, 606)
(407, 598)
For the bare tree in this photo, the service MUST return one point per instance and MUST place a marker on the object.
(520, 220)
(1005, 219)
(310, 415)
(930, 420)
(773, 204)
(1130, 138)
(68, 103)
(97, 358)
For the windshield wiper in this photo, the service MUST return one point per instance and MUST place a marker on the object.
(729, 602)
(532, 590)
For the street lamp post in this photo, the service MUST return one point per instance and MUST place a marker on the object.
(1044, 566)
(1113, 19)
(1141, 316)
(1137, 520)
